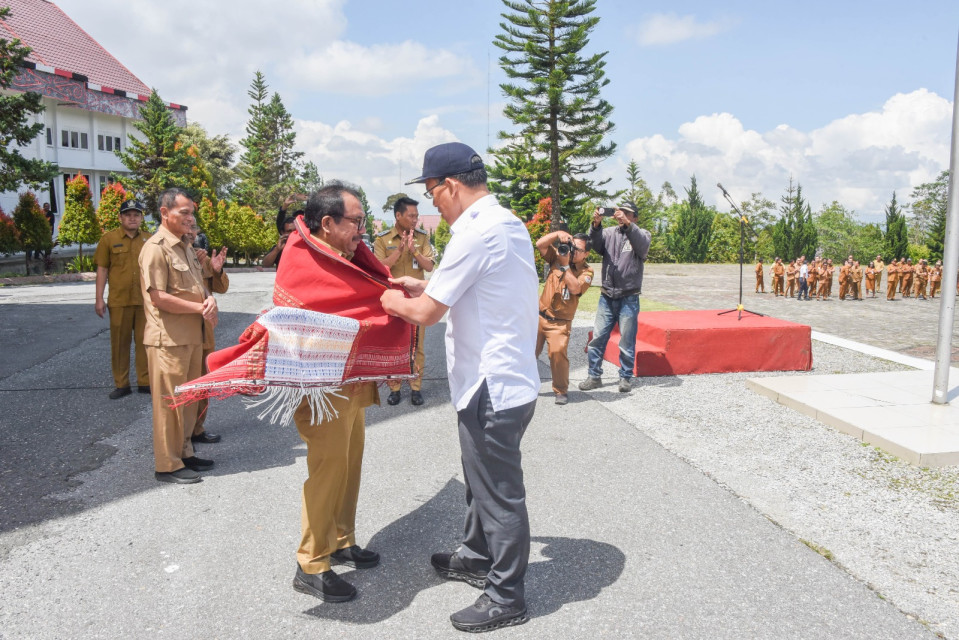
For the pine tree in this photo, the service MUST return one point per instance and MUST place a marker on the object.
(216, 154)
(159, 161)
(15, 112)
(556, 102)
(310, 179)
(79, 223)
(269, 167)
(689, 238)
(639, 194)
(794, 234)
(897, 236)
(519, 179)
(32, 226)
(108, 212)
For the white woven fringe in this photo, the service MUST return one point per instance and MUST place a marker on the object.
(282, 402)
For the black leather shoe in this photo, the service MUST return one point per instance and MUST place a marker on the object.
(119, 392)
(487, 615)
(355, 557)
(197, 464)
(451, 567)
(143, 388)
(206, 438)
(180, 476)
(393, 399)
(416, 398)
(326, 586)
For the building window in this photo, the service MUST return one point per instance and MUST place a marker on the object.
(74, 139)
(116, 144)
(49, 137)
(108, 143)
(100, 142)
(103, 183)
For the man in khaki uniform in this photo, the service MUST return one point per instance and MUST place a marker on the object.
(935, 278)
(406, 251)
(216, 281)
(778, 271)
(760, 284)
(568, 278)
(844, 278)
(177, 305)
(905, 277)
(117, 258)
(855, 280)
(878, 265)
(922, 277)
(791, 271)
(892, 277)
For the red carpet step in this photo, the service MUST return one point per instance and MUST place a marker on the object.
(683, 342)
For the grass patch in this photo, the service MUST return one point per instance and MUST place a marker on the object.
(824, 552)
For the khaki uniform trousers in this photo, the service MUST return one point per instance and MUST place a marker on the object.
(891, 289)
(169, 367)
(202, 405)
(127, 323)
(934, 288)
(334, 459)
(778, 285)
(555, 334)
(419, 359)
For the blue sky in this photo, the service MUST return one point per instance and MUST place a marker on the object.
(853, 99)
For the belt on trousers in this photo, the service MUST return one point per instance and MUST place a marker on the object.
(550, 318)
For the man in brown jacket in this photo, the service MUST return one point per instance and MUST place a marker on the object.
(778, 272)
(760, 284)
(177, 304)
(892, 278)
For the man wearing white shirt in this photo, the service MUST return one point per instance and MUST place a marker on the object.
(487, 282)
(803, 279)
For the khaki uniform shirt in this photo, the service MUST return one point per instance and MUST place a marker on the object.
(878, 265)
(169, 264)
(556, 300)
(119, 254)
(389, 241)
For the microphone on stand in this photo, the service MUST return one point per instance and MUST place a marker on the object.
(723, 189)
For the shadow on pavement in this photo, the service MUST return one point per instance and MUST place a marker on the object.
(575, 569)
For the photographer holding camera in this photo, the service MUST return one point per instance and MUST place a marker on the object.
(624, 248)
(568, 278)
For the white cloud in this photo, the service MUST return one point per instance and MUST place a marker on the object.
(349, 68)
(381, 166)
(858, 160)
(669, 28)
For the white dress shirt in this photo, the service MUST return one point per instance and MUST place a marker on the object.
(487, 278)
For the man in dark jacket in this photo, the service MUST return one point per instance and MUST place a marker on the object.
(623, 248)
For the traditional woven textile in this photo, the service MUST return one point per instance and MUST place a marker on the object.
(327, 330)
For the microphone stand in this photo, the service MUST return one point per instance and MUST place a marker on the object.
(742, 251)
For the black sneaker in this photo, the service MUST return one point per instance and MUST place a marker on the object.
(356, 557)
(205, 437)
(326, 586)
(393, 399)
(416, 398)
(486, 615)
(197, 464)
(180, 476)
(451, 567)
(143, 388)
(119, 392)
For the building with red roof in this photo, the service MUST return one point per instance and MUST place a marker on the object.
(91, 99)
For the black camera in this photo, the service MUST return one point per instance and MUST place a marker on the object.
(564, 248)
(607, 212)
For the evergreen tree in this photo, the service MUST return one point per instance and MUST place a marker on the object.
(15, 112)
(310, 178)
(217, 154)
(108, 212)
(159, 161)
(556, 102)
(79, 223)
(930, 203)
(689, 237)
(794, 234)
(32, 226)
(388, 205)
(897, 236)
(269, 167)
(639, 194)
(518, 179)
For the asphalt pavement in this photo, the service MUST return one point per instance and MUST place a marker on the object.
(629, 539)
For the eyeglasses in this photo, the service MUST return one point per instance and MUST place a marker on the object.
(428, 194)
(359, 221)
(578, 250)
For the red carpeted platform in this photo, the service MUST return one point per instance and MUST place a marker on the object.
(683, 342)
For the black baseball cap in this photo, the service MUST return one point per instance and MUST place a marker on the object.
(628, 207)
(131, 205)
(448, 159)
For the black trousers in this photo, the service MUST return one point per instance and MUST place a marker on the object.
(496, 533)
